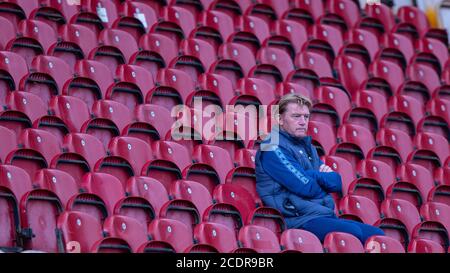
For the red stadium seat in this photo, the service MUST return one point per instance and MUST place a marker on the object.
(349, 151)
(344, 168)
(423, 73)
(408, 105)
(200, 49)
(258, 88)
(245, 158)
(351, 71)
(239, 53)
(236, 196)
(414, 16)
(160, 44)
(218, 235)
(440, 194)
(174, 232)
(261, 239)
(45, 34)
(17, 182)
(439, 107)
(437, 212)
(9, 142)
(173, 152)
(364, 38)
(150, 189)
(269, 218)
(183, 211)
(73, 111)
(57, 181)
(396, 139)
(217, 20)
(13, 68)
(277, 58)
(181, 16)
(155, 246)
(28, 103)
(134, 150)
(383, 13)
(347, 10)
(36, 207)
(315, 62)
(295, 32)
(378, 170)
(300, 240)
(340, 242)
(426, 158)
(433, 142)
(323, 134)
(106, 10)
(127, 228)
(383, 244)
(114, 111)
(107, 187)
(87, 146)
(8, 32)
(359, 208)
(96, 71)
(216, 157)
(44, 142)
(146, 15)
(192, 191)
(155, 115)
(422, 245)
(87, 231)
(356, 134)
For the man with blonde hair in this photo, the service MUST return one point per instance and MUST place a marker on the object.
(291, 177)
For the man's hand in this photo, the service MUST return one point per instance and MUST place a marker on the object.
(325, 168)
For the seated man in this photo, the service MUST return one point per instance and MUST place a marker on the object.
(291, 178)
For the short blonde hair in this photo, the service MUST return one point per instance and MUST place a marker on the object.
(293, 98)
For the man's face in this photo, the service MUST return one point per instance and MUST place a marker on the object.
(295, 120)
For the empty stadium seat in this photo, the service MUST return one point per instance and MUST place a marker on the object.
(422, 245)
(87, 231)
(218, 235)
(39, 213)
(9, 142)
(433, 142)
(351, 72)
(86, 145)
(377, 170)
(359, 208)
(150, 189)
(57, 181)
(356, 134)
(300, 240)
(438, 212)
(192, 191)
(28, 103)
(237, 196)
(315, 62)
(262, 239)
(383, 244)
(134, 150)
(396, 139)
(127, 228)
(340, 242)
(13, 67)
(174, 232)
(225, 214)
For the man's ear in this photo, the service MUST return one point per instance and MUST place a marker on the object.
(278, 119)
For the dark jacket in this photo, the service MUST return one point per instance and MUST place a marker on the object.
(288, 179)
